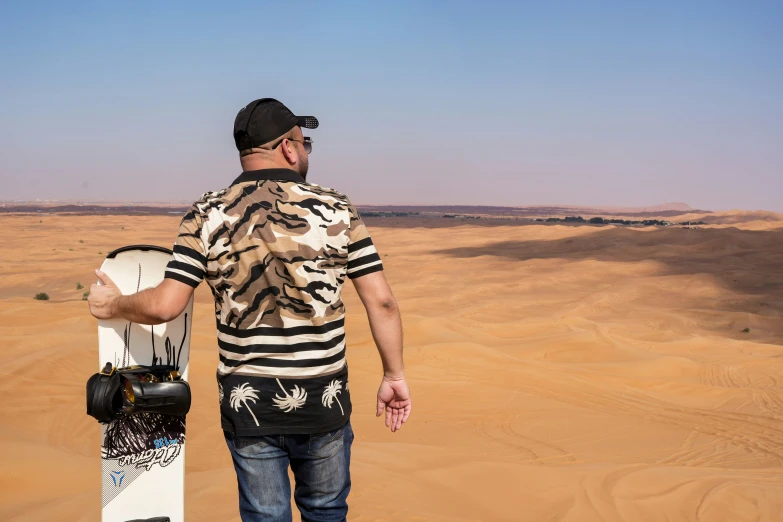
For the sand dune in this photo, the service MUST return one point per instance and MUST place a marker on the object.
(732, 217)
(571, 373)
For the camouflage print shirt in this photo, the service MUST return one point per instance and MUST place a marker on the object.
(275, 251)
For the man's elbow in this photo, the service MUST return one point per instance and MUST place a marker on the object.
(152, 317)
(166, 312)
(386, 304)
(171, 298)
(164, 316)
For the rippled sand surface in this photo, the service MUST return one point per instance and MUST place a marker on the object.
(570, 373)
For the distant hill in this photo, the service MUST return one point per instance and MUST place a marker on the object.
(109, 209)
(664, 207)
(664, 210)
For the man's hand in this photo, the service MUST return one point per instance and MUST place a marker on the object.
(395, 398)
(103, 298)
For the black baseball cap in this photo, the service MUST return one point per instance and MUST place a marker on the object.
(261, 121)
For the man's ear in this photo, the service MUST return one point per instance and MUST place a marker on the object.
(288, 152)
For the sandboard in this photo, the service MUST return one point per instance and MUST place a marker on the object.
(143, 456)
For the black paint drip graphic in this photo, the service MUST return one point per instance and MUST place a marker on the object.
(133, 434)
(126, 333)
(173, 355)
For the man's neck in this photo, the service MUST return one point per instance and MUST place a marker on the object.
(255, 164)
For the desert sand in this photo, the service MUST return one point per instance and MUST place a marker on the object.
(569, 373)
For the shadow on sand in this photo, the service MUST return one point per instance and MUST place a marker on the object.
(748, 264)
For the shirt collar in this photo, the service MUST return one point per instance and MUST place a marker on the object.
(269, 174)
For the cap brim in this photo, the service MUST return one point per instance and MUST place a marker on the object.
(307, 122)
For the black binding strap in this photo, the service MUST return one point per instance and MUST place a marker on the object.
(115, 392)
(101, 388)
(144, 248)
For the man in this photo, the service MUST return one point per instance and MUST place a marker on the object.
(275, 251)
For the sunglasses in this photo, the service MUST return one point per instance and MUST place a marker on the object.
(306, 142)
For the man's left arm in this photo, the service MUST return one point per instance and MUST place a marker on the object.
(151, 306)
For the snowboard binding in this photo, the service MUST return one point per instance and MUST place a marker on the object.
(114, 392)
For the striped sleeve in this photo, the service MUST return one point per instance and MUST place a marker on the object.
(363, 258)
(189, 261)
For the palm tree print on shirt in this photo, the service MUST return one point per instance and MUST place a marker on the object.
(290, 402)
(330, 394)
(220, 393)
(241, 395)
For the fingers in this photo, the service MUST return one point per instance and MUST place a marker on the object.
(407, 413)
(403, 416)
(380, 407)
(104, 279)
(95, 289)
(395, 416)
(398, 417)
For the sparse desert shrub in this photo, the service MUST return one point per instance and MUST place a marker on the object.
(85, 295)
(41, 296)
(70, 250)
(81, 241)
(100, 253)
(746, 330)
(79, 286)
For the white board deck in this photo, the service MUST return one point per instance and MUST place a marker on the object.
(143, 456)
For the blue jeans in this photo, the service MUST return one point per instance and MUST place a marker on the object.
(320, 463)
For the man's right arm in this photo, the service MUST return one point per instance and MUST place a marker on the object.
(386, 327)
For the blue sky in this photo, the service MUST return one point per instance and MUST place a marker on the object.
(507, 103)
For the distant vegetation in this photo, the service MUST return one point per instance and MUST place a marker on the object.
(388, 214)
(606, 221)
(41, 296)
(79, 286)
(597, 220)
(85, 295)
(746, 330)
